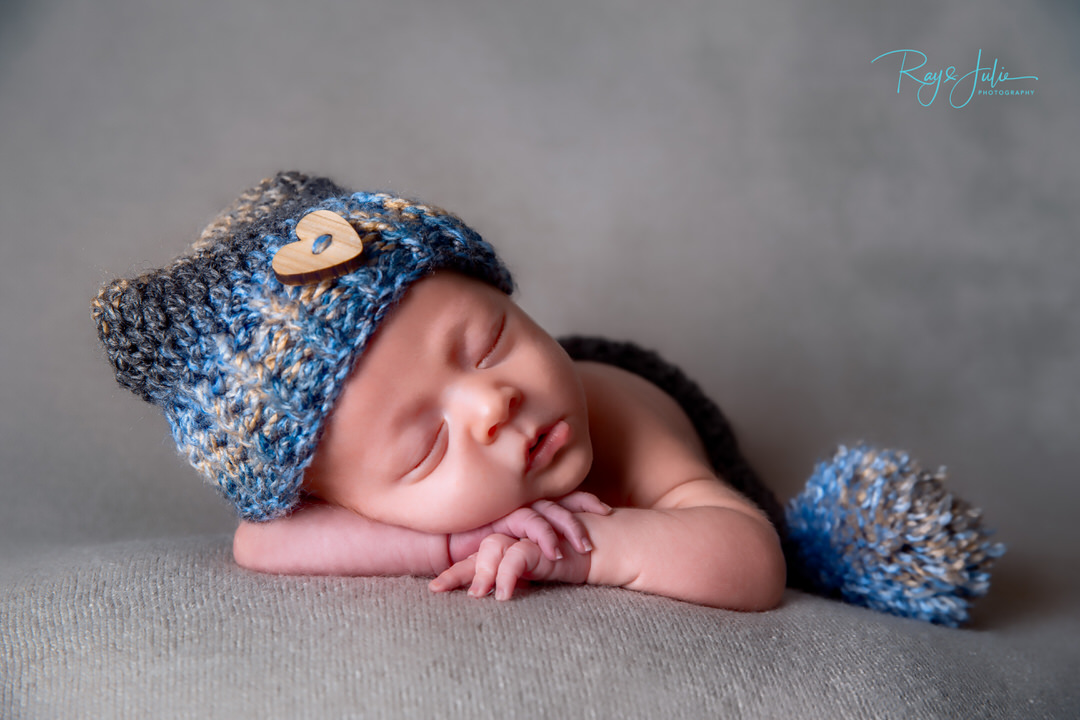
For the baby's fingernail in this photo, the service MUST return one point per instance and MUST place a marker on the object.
(586, 544)
(558, 554)
(502, 595)
(607, 508)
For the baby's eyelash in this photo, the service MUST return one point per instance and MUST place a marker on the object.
(494, 344)
(431, 450)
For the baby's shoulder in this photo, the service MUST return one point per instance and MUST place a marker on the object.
(643, 442)
(621, 391)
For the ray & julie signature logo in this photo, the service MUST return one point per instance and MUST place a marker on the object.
(983, 80)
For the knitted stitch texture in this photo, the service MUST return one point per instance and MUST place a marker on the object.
(247, 369)
(874, 528)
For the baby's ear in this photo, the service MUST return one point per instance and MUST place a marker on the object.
(140, 322)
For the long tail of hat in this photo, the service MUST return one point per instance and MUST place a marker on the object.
(146, 323)
(149, 324)
(135, 321)
(875, 529)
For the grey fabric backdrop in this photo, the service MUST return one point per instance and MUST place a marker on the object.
(734, 184)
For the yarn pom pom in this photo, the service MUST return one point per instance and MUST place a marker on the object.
(874, 528)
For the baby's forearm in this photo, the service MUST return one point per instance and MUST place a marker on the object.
(707, 555)
(322, 539)
(328, 540)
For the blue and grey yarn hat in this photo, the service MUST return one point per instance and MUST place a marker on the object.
(246, 368)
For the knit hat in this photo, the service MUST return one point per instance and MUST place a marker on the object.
(247, 368)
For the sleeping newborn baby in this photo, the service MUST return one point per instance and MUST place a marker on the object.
(395, 412)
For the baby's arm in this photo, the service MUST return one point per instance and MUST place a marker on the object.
(322, 539)
(685, 533)
(694, 547)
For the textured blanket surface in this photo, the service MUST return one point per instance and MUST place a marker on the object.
(172, 628)
(735, 184)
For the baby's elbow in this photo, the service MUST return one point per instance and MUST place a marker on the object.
(736, 563)
(772, 579)
(763, 573)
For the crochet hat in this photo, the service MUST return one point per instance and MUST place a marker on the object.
(245, 367)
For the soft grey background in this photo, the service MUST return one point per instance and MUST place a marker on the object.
(734, 184)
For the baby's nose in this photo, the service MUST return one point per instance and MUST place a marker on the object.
(494, 406)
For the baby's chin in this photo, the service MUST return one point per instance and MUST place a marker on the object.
(556, 491)
(571, 473)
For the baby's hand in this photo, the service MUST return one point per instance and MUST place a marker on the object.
(543, 522)
(503, 560)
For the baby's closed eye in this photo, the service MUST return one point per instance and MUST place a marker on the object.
(491, 355)
(435, 449)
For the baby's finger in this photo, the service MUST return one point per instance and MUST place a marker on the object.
(564, 521)
(520, 558)
(528, 523)
(488, 559)
(579, 501)
(457, 575)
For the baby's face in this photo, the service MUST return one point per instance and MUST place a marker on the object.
(461, 410)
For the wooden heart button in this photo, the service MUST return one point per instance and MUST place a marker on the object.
(329, 247)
